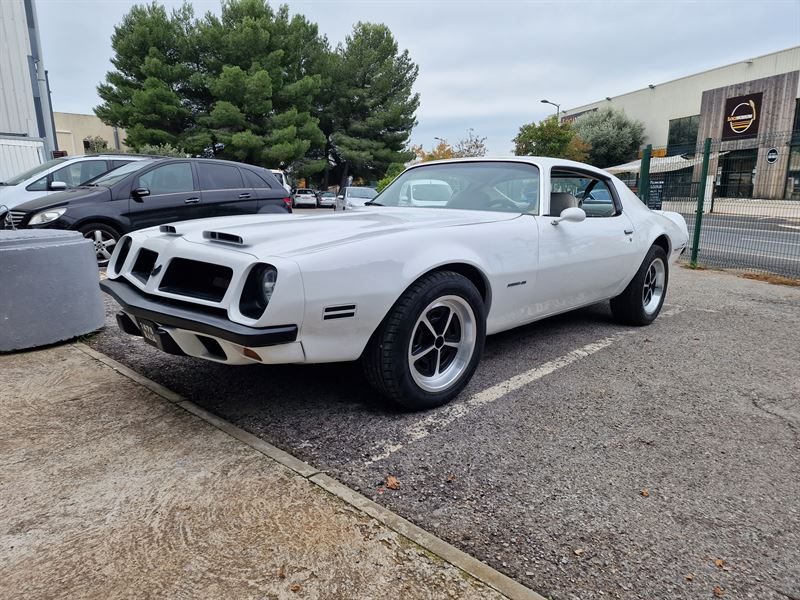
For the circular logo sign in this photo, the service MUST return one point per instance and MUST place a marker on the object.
(772, 155)
(742, 117)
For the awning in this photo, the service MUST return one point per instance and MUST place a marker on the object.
(662, 164)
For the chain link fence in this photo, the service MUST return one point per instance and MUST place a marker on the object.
(740, 199)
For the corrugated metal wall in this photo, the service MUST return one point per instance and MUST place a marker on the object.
(17, 113)
(18, 155)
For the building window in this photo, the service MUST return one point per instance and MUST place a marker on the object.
(682, 136)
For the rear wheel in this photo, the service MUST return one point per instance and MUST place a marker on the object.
(641, 301)
(104, 237)
(429, 345)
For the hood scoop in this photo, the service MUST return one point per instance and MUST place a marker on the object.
(169, 230)
(221, 236)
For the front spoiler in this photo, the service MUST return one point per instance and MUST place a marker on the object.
(168, 312)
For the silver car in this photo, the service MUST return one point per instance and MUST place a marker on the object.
(58, 175)
(354, 197)
(304, 197)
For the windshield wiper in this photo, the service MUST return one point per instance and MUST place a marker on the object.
(372, 203)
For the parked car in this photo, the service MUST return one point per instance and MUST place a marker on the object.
(304, 197)
(353, 197)
(150, 192)
(281, 177)
(58, 175)
(327, 199)
(411, 291)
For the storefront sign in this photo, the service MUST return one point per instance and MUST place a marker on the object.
(772, 155)
(742, 117)
(655, 199)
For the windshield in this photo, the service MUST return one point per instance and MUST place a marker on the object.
(25, 175)
(329, 194)
(361, 192)
(491, 186)
(120, 173)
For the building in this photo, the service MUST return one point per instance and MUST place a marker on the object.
(27, 132)
(751, 109)
(74, 132)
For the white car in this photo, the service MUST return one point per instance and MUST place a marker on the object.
(354, 197)
(411, 291)
(304, 197)
(58, 175)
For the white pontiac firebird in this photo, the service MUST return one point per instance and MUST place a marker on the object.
(410, 284)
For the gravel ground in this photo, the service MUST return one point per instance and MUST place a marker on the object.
(654, 463)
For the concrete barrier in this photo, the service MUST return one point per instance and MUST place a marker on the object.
(48, 288)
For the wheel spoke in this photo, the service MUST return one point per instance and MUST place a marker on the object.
(429, 325)
(438, 361)
(420, 353)
(449, 321)
(109, 243)
(105, 254)
(98, 236)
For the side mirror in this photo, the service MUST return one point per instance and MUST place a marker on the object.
(571, 215)
(140, 192)
(57, 186)
(340, 197)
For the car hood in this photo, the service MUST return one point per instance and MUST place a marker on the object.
(73, 196)
(288, 235)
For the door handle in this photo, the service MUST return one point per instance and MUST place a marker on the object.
(243, 196)
(628, 231)
(194, 200)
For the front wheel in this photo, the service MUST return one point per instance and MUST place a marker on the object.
(640, 302)
(104, 237)
(428, 346)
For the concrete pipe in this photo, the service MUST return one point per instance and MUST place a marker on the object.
(49, 288)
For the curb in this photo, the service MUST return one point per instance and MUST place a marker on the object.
(469, 564)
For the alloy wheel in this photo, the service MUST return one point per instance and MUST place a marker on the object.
(104, 244)
(442, 343)
(653, 288)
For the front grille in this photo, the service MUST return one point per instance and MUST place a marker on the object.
(197, 279)
(145, 261)
(15, 218)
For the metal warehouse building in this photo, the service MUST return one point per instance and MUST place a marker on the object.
(27, 133)
(750, 109)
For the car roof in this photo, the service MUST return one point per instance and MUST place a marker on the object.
(541, 161)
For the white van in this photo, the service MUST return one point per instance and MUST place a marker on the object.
(282, 178)
(426, 192)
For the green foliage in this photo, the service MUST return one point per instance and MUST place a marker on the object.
(250, 78)
(550, 138)
(393, 171)
(371, 107)
(162, 150)
(614, 138)
(472, 145)
(96, 143)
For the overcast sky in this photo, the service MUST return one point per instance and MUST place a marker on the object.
(484, 64)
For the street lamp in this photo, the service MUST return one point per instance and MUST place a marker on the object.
(558, 107)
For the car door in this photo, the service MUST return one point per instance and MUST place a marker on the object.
(582, 262)
(268, 191)
(172, 195)
(224, 191)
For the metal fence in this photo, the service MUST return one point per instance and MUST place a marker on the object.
(740, 199)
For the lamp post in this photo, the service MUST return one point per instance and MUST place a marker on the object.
(558, 108)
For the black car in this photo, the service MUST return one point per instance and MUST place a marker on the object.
(151, 192)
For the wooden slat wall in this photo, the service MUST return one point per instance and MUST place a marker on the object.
(777, 117)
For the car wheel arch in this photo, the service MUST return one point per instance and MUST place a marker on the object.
(116, 225)
(663, 241)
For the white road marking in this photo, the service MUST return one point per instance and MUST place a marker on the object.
(434, 421)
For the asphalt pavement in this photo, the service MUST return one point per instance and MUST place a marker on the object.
(585, 459)
(752, 243)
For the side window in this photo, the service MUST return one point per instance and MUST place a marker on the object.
(219, 177)
(254, 180)
(77, 173)
(40, 185)
(168, 179)
(119, 163)
(590, 194)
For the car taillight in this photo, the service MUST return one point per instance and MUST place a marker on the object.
(288, 200)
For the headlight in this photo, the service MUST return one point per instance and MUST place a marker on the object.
(269, 276)
(46, 216)
(257, 290)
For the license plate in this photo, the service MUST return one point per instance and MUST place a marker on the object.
(150, 332)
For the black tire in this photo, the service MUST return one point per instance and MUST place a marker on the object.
(386, 358)
(630, 307)
(101, 235)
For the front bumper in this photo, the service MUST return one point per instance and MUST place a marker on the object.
(179, 316)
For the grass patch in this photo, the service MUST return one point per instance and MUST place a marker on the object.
(774, 279)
